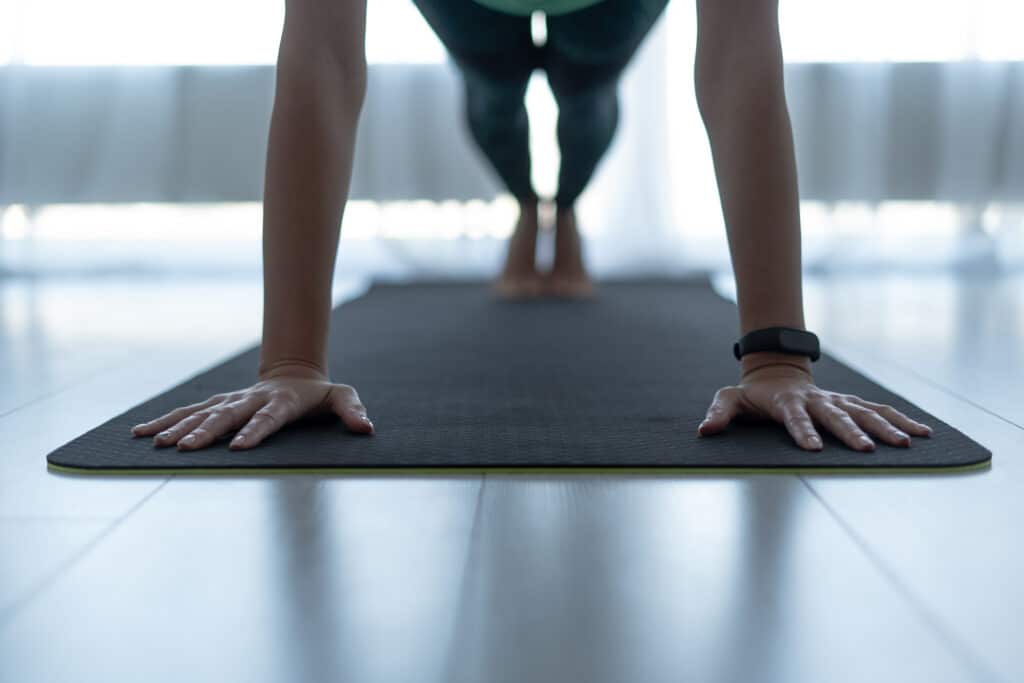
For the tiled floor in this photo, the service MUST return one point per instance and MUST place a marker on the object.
(512, 577)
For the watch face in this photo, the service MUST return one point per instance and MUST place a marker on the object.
(797, 342)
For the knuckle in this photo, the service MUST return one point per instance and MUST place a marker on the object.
(264, 417)
(284, 407)
(850, 420)
(800, 421)
(791, 396)
(820, 403)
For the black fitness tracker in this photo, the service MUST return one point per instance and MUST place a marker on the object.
(781, 339)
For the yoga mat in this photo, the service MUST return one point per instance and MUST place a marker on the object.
(454, 378)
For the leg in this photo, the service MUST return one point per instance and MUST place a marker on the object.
(586, 53)
(495, 54)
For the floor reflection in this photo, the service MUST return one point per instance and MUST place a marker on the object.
(603, 579)
(368, 571)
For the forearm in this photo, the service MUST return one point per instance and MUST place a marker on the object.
(309, 166)
(751, 138)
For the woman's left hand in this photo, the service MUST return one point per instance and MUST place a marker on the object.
(787, 394)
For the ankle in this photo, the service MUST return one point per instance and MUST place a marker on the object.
(565, 222)
(528, 206)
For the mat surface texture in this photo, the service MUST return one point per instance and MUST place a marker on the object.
(454, 378)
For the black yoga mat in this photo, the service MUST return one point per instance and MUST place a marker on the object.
(454, 378)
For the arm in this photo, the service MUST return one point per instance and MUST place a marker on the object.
(740, 94)
(321, 83)
(739, 87)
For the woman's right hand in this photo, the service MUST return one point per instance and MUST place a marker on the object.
(259, 411)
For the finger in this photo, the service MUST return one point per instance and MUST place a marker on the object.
(724, 407)
(171, 436)
(220, 420)
(875, 424)
(173, 417)
(264, 422)
(894, 416)
(800, 426)
(839, 422)
(345, 403)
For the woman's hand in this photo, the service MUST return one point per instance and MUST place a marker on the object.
(260, 410)
(787, 394)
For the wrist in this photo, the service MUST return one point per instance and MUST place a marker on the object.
(292, 367)
(759, 359)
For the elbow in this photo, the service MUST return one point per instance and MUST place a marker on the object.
(335, 70)
(728, 72)
(353, 79)
(322, 76)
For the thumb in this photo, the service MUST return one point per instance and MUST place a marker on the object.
(724, 407)
(344, 402)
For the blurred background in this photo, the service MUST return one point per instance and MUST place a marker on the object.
(132, 148)
(133, 139)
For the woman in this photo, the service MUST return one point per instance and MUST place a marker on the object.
(321, 82)
(588, 45)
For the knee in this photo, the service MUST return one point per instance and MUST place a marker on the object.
(494, 106)
(588, 110)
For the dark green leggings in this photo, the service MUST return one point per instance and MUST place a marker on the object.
(584, 56)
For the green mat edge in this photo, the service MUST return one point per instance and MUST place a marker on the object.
(701, 278)
(982, 465)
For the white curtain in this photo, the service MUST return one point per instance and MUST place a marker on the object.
(907, 119)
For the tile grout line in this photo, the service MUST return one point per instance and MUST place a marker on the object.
(474, 533)
(922, 378)
(944, 389)
(11, 611)
(962, 650)
(88, 377)
(74, 384)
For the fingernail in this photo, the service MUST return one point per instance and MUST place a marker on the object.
(238, 440)
(188, 440)
(164, 435)
(815, 442)
(866, 442)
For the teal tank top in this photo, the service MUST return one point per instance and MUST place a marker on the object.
(527, 7)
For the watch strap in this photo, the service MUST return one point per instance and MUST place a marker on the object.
(779, 339)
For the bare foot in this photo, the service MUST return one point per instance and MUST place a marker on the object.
(568, 276)
(520, 278)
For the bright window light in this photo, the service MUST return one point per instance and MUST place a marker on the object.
(155, 32)
(188, 32)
